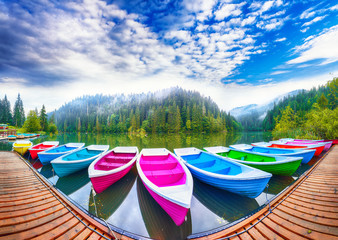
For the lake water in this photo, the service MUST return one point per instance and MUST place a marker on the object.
(128, 205)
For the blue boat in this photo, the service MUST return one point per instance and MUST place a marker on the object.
(307, 154)
(77, 160)
(222, 173)
(51, 154)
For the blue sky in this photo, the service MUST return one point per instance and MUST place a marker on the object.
(237, 52)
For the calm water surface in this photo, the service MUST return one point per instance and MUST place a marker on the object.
(128, 205)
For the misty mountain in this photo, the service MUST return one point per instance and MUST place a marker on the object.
(260, 109)
(252, 115)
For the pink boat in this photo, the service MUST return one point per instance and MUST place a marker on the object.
(111, 167)
(327, 146)
(167, 180)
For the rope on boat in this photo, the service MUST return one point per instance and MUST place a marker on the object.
(280, 202)
(94, 194)
(70, 210)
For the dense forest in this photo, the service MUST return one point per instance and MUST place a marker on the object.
(170, 110)
(310, 114)
(302, 103)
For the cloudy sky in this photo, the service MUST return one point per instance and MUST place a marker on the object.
(237, 52)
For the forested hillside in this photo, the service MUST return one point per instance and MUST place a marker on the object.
(171, 110)
(302, 103)
(312, 114)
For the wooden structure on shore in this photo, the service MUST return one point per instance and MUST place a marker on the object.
(31, 208)
(306, 210)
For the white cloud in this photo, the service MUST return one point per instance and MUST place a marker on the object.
(279, 72)
(227, 10)
(280, 39)
(316, 19)
(322, 46)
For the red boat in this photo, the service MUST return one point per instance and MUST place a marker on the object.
(277, 144)
(42, 147)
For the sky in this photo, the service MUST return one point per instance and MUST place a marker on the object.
(236, 52)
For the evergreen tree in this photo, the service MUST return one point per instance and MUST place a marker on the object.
(43, 119)
(19, 113)
(6, 113)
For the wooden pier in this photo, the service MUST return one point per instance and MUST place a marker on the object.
(306, 210)
(31, 208)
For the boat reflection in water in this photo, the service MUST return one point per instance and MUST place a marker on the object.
(158, 223)
(224, 204)
(35, 163)
(69, 184)
(278, 184)
(108, 201)
(47, 171)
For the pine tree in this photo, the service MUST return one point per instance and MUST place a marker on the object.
(6, 112)
(43, 119)
(19, 113)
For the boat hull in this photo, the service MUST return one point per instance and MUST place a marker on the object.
(47, 158)
(101, 183)
(167, 180)
(175, 211)
(21, 148)
(64, 169)
(318, 149)
(283, 168)
(250, 188)
(307, 155)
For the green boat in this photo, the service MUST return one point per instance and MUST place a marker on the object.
(284, 166)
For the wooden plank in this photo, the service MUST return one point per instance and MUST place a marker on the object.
(312, 206)
(280, 230)
(60, 230)
(24, 212)
(309, 217)
(35, 232)
(19, 227)
(73, 232)
(332, 197)
(266, 232)
(306, 232)
(313, 201)
(310, 211)
(28, 205)
(255, 234)
(316, 198)
(16, 203)
(307, 224)
(84, 234)
(30, 217)
(245, 236)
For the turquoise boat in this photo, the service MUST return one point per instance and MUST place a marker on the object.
(307, 155)
(46, 156)
(223, 173)
(80, 159)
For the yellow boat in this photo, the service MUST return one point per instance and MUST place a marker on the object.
(22, 146)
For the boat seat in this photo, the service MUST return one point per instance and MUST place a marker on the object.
(165, 177)
(121, 159)
(159, 165)
(107, 166)
(81, 155)
(218, 169)
(202, 164)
